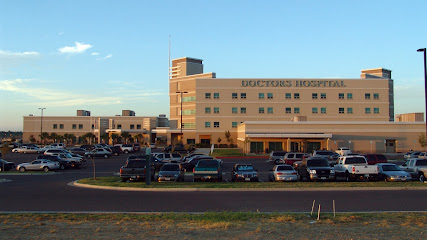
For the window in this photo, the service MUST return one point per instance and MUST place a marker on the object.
(74, 126)
(189, 99)
(288, 96)
(132, 126)
(234, 110)
(207, 110)
(189, 112)
(296, 95)
(314, 95)
(234, 95)
(340, 95)
(376, 110)
(314, 110)
(138, 126)
(350, 110)
(55, 126)
(216, 109)
(367, 110)
(376, 96)
(119, 126)
(93, 126)
(261, 110)
(207, 124)
(340, 110)
(216, 124)
(260, 95)
(367, 96)
(288, 110)
(243, 95)
(207, 95)
(81, 126)
(296, 110)
(270, 95)
(349, 95)
(191, 141)
(323, 110)
(270, 110)
(189, 125)
(216, 95)
(61, 126)
(323, 95)
(242, 110)
(234, 124)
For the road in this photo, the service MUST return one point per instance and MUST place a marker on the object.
(51, 192)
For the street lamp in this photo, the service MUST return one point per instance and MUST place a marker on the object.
(41, 125)
(181, 110)
(425, 79)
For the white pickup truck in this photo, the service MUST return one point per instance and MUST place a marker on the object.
(355, 167)
(417, 167)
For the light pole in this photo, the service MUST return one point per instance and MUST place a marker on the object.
(41, 125)
(181, 110)
(425, 80)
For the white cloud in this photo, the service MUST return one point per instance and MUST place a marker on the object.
(94, 54)
(12, 59)
(18, 54)
(105, 58)
(78, 48)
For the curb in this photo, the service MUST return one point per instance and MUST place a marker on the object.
(76, 184)
(27, 174)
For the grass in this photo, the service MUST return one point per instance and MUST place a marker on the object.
(114, 181)
(214, 225)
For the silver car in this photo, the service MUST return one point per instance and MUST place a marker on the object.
(171, 172)
(38, 165)
(390, 172)
(277, 157)
(283, 172)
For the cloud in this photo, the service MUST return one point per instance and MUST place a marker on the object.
(78, 48)
(18, 54)
(11, 59)
(105, 58)
(94, 54)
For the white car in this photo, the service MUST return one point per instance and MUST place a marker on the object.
(29, 150)
(38, 165)
(343, 151)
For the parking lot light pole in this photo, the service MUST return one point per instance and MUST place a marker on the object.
(425, 81)
(41, 125)
(181, 110)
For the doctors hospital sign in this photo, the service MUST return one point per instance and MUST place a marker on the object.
(292, 83)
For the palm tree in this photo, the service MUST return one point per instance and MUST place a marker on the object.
(227, 136)
(105, 138)
(125, 135)
(32, 138)
(66, 137)
(71, 137)
(114, 136)
(139, 138)
(44, 136)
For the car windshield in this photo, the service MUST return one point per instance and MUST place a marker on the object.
(137, 164)
(387, 168)
(421, 163)
(284, 168)
(170, 167)
(208, 164)
(324, 153)
(279, 154)
(131, 157)
(355, 160)
(318, 163)
(245, 168)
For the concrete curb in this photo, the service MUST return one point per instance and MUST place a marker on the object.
(76, 184)
(27, 174)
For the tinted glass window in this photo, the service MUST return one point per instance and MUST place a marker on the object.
(390, 168)
(245, 168)
(279, 154)
(284, 168)
(170, 167)
(318, 163)
(208, 164)
(421, 163)
(137, 164)
(355, 160)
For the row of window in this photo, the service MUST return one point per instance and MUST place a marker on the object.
(216, 124)
(74, 126)
(289, 110)
(296, 96)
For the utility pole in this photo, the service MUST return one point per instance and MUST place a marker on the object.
(41, 125)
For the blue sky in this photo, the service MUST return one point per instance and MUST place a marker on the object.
(105, 56)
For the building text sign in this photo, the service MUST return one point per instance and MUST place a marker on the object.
(292, 83)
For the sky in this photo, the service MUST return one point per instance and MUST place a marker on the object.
(105, 56)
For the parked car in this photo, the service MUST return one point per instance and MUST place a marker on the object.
(375, 158)
(63, 164)
(315, 168)
(244, 172)
(77, 150)
(417, 167)
(277, 157)
(169, 157)
(283, 172)
(136, 147)
(208, 169)
(422, 155)
(323, 153)
(390, 172)
(343, 151)
(171, 172)
(5, 165)
(56, 145)
(116, 150)
(135, 169)
(126, 148)
(355, 167)
(54, 151)
(191, 155)
(189, 166)
(28, 150)
(87, 147)
(412, 154)
(75, 162)
(152, 146)
(98, 152)
(38, 165)
(292, 157)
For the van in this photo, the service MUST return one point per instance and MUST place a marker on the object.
(375, 158)
(292, 157)
(57, 145)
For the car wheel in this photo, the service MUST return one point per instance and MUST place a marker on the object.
(22, 169)
(106, 156)
(126, 151)
(300, 177)
(276, 162)
(422, 178)
(348, 178)
(124, 179)
(62, 167)
(46, 169)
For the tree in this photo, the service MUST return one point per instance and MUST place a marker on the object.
(422, 140)
(43, 137)
(125, 135)
(32, 139)
(66, 137)
(219, 140)
(228, 136)
(105, 138)
(53, 136)
(246, 143)
(5, 149)
(71, 138)
(114, 136)
(139, 138)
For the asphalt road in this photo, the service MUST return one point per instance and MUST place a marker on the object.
(51, 192)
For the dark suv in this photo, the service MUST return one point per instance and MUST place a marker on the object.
(315, 168)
